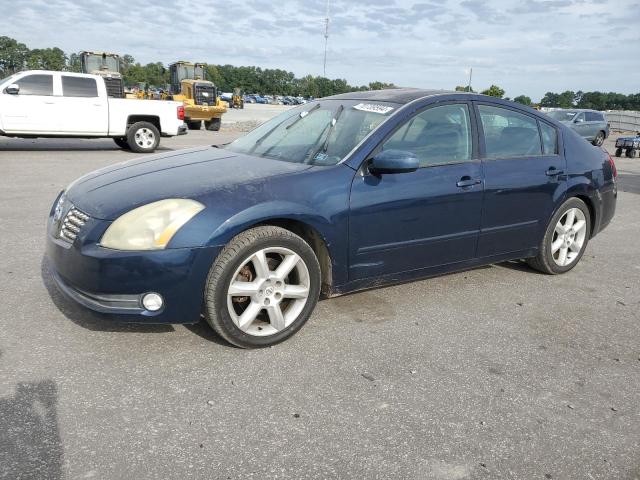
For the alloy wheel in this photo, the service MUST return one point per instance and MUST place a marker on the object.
(268, 291)
(568, 237)
(145, 138)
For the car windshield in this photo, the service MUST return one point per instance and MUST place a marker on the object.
(566, 115)
(317, 133)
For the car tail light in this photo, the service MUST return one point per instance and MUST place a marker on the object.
(181, 112)
(614, 170)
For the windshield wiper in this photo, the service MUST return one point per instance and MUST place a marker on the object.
(302, 115)
(334, 121)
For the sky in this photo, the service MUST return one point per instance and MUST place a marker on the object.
(525, 46)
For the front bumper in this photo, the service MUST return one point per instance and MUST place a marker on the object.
(113, 282)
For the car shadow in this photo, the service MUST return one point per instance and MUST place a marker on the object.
(518, 265)
(629, 182)
(30, 442)
(47, 147)
(87, 318)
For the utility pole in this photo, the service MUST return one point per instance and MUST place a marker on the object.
(470, 74)
(326, 38)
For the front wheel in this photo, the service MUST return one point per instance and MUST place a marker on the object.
(599, 140)
(262, 288)
(565, 239)
(143, 137)
(618, 152)
(193, 124)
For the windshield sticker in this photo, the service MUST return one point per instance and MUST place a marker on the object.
(373, 108)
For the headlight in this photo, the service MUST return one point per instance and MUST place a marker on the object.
(151, 226)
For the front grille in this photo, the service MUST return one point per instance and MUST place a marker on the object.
(205, 94)
(114, 87)
(72, 224)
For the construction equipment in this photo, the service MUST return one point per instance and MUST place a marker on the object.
(107, 65)
(200, 96)
(237, 99)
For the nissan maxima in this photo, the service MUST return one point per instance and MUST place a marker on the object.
(337, 195)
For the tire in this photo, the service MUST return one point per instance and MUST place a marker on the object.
(238, 262)
(193, 124)
(630, 153)
(546, 260)
(213, 125)
(121, 142)
(143, 137)
(618, 152)
(599, 140)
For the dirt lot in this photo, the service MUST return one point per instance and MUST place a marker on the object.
(497, 372)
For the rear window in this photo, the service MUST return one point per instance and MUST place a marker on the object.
(79, 87)
(508, 133)
(36, 85)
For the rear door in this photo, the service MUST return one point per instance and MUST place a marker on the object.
(581, 125)
(85, 112)
(34, 108)
(524, 174)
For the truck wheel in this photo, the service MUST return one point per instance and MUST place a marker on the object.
(121, 142)
(193, 124)
(630, 152)
(618, 152)
(213, 124)
(143, 137)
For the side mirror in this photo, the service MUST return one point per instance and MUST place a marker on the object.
(13, 89)
(394, 161)
(579, 120)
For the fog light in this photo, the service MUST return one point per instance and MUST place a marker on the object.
(152, 302)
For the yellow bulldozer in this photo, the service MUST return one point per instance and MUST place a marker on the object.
(237, 99)
(199, 95)
(107, 65)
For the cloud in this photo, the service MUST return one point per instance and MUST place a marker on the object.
(526, 46)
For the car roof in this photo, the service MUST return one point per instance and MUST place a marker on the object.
(396, 95)
(575, 110)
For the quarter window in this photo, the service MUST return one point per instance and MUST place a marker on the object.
(79, 87)
(437, 136)
(36, 85)
(549, 139)
(508, 133)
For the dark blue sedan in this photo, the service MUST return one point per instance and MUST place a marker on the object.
(341, 194)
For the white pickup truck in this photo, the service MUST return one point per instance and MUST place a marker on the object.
(42, 103)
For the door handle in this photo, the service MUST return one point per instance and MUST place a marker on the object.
(553, 172)
(467, 181)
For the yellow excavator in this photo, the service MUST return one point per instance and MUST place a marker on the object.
(200, 96)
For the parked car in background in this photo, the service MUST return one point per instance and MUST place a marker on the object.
(589, 124)
(227, 97)
(42, 103)
(346, 193)
(630, 145)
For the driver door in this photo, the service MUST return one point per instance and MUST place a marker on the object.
(408, 221)
(34, 108)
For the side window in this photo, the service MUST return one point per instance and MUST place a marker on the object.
(508, 133)
(36, 85)
(580, 118)
(79, 87)
(549, 139)
(437, 136)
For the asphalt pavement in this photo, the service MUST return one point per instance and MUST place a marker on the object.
(497, 372)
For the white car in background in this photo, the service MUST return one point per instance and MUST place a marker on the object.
(42, 103)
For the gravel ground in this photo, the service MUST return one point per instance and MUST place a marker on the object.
(498, 372)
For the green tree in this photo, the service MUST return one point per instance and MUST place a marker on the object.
(523, 99)
(13, 56)
(47, 59)
(467, 88)
(493, 91)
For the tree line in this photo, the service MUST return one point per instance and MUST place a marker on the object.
(16, 56)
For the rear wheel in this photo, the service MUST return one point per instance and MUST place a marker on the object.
(213, 124)
(618, 152)
(630, 153)
(193, 124)
(143, 137)
(565, 239)
(262, 287)
(121, 142)
(599, 140)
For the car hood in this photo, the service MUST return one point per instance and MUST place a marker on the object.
(109, 192)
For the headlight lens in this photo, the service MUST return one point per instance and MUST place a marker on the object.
(151, 226)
